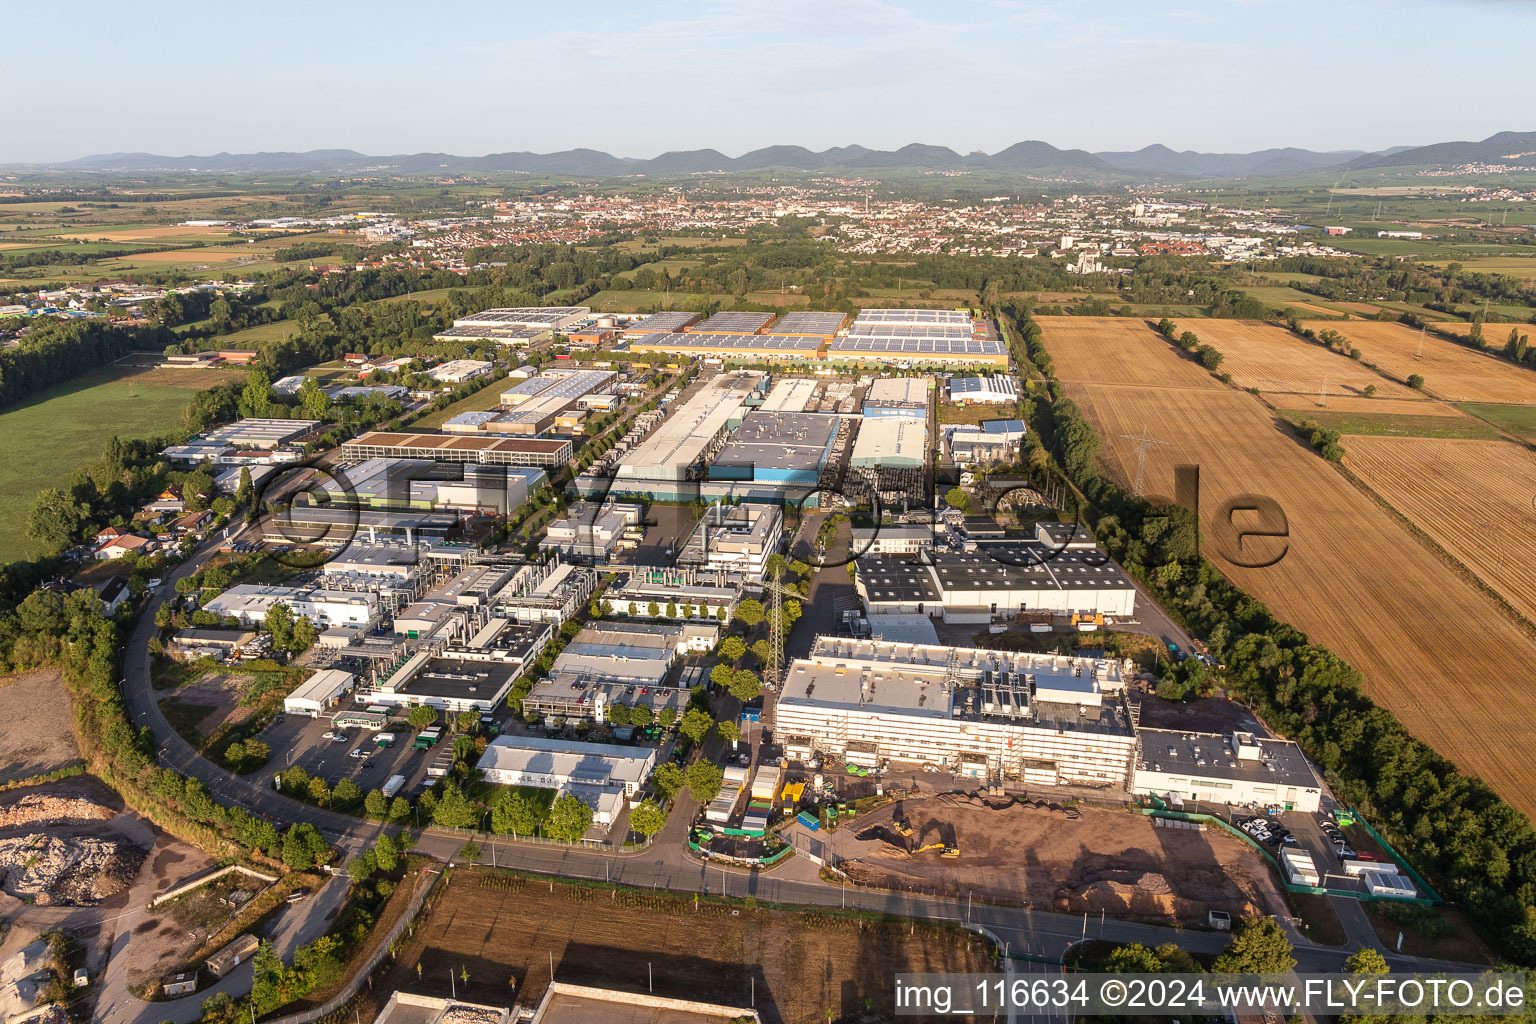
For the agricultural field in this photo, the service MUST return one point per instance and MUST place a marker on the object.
(1351, 577)
(498, 934)
(1117, 351)
(71, 423)
(1272, 359)
(1525, 269)
(1474, 498)
(1450, 371)
(1289, 298)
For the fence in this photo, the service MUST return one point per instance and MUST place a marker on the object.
(351, 988)
(496, 837)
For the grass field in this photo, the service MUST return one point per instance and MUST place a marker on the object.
(47, 436)
(1270, 358)
(429, 295)
(251, 336)
(1352, 577)
(1472, 497)
(1113, 350)
(1450, 371)
(1519, 420)
(1393, 424)
(1282, 296)
(488, 397)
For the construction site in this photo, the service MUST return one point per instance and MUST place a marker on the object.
(1054, 856)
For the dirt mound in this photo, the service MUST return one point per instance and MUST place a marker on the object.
(41, 809)
(51, 871)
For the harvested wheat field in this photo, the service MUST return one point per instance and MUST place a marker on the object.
(1118, 350)
(139, 234)
(1432, 647)
(498, 936)
(1473, 497)
(1089, 859)
(1450, 371)
(1270, 358)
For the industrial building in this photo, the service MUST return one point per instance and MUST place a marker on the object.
(627, 652)
(996, 390)
(550, 593)
(889, 459)
(555, 318)
(249, 603)
(386, 484)
(915, 337)
(676, 452)
(891, 540)
(496, 451)
(329, 525)
(738, 347)
(1235, 768)
(319, 693)
(731, 322)
(512, 337)
(808, 324)
(998, 580)
(990, 442)
(1042, 720)
(569, 384)
(793, 394)
(905, 397)
(252, 433)
(773, 449)
(663, 323)
(588, 531)
(674, 593)
(735, 539)
(602, 775)
(465, 678)
(456, 371)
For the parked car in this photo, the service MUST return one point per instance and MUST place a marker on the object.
(357, 752)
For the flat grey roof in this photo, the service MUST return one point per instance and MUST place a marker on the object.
(1290, 765)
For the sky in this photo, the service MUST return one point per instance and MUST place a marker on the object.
(638, 78)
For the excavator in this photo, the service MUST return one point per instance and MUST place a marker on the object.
(901, 827)
(945, 850)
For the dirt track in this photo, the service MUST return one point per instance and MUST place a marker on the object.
(1024, 852)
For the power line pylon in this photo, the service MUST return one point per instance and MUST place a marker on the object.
(1144, 443)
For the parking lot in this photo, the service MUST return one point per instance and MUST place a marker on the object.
(300, 740)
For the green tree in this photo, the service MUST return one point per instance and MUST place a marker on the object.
(279, 622)
(304, 635)
(666, 718)
(729, 730)
(244, 492)
(421, 716)
(256, 399)
(1367, 960)
(704, 779)
(315, 403)
(399, 809)
(1416, 382)
(653, 610)
(696, 724)
(385, 853)
(1259, 946)
(618, 713)
(346, 792)
(55, 521)
(640, 715)
(569, 819)
(750, 611)
(467, 721)
(732, 648)
(513, 813)
(454, 809)
(667, 780)
(647, 818)
(744, 685)
(376, 804)
(956, 498)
